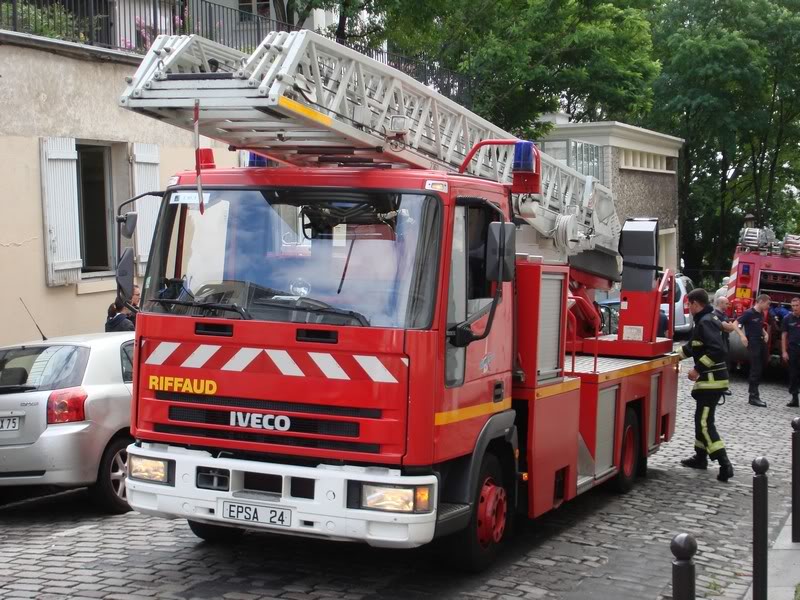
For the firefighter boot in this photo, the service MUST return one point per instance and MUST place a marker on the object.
(698, 461)
(725, 467)
(756, 401)
(794, 403)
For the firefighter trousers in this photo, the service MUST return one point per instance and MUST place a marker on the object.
(794, 371)
(706, 438)
(756, 358)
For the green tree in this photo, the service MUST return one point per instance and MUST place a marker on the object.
(728, 87)
(527, 57)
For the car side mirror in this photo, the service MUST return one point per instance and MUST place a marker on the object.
(500, 251)
(125, 275)
(127, 224)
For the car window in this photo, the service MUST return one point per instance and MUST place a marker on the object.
(42, 367)
(126, 355)
(688, 284)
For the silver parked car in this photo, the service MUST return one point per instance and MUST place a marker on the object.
(684, 323)
(65, 414)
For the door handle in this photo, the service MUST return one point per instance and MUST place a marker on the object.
(498, 392)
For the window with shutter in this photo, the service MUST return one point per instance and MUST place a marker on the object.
(146, 178)
(62, 241)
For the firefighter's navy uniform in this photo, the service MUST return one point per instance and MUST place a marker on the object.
(707, 348)
(790, 326)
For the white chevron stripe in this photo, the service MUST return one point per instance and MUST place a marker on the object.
(200, 356)
(328, 365)
(285, 363)
(405, 361)
(375, 369)
(731, 291)
(161, 353)
(241, 359)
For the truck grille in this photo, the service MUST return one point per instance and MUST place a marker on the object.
(266, 438)
(338, 411)
(299, 425)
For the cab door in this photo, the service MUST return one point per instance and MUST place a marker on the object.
(478, 376)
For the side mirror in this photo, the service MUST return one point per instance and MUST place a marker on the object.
(462, 335)
(127, 224)
(501, 238)
(125, 275)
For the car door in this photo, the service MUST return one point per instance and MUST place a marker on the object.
(126, 360)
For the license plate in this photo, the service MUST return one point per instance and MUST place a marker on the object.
(9, 423)
(266, 515)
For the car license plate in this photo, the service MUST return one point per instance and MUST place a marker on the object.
(9, 423)
(267, 515)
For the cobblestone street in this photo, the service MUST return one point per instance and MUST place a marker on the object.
(599, 546)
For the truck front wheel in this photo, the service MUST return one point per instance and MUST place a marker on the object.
(476, 547)
(215, 534)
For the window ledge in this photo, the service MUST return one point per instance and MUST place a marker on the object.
(646, 170)
(98, 284)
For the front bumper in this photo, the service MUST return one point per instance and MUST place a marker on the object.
(326, 515)
(67, 454)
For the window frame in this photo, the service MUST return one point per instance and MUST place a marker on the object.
(111, 250)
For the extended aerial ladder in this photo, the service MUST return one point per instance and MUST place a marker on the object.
(305, 100)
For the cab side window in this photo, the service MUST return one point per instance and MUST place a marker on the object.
(479, 291)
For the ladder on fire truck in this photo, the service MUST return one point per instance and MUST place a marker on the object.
(303, 99)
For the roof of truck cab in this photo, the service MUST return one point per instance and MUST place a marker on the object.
(376, 177)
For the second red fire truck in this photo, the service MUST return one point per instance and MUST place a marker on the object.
(392, 336)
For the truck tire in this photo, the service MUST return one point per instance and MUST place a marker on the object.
(630, 454)
(475, 548)
(109, 491)
(215, 534)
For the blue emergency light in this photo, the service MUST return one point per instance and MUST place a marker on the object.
(256, 160)
(524, 157)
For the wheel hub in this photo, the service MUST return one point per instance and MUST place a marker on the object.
(492, 507)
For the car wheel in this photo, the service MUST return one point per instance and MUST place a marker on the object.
(110, 492)
(215, 534)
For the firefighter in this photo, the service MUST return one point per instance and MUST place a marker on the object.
(790, 349)
(721, 312)
(710, 376)
(756, 339)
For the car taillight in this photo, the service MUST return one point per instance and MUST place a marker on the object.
(66, 406)
(686, 303)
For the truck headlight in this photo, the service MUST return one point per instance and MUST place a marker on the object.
(412, 499)
(155, 470)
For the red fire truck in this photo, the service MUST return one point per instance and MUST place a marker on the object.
(762, 265)
(392, 336)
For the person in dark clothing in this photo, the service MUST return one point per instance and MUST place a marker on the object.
(755, 338)
(117, 320)
(131, 314)
(710, 376)
(790, 349)
(663, 323)
(721, 312)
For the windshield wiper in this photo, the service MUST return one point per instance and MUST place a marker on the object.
(207, 305)
(321, 308)
(11, 388)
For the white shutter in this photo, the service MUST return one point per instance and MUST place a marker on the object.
(62, 236)
(146, 178)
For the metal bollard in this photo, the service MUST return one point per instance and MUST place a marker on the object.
(760, 528)
(683, 548)
(796, 480)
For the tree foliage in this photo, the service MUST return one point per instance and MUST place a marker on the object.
(729, 87)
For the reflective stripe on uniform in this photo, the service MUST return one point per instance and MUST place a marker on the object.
(707, 361)
(711, 447)
(683, 353)
(721, 384)
(697, 343)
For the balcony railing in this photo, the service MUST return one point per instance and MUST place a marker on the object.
(132, 25)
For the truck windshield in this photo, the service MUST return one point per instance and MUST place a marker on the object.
(336, 257)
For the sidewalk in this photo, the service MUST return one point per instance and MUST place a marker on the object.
(784, 567)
